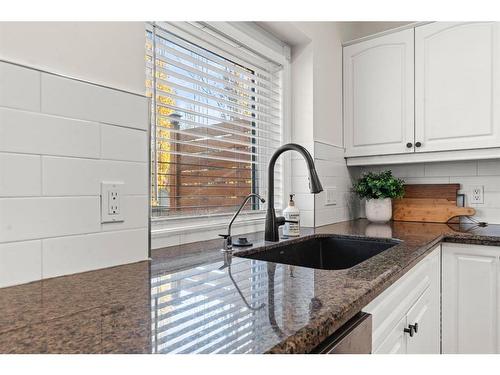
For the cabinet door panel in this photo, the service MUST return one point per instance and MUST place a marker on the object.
(470, 299)
(457, 83)
(425, 313)
(378, 95)
(395, 343)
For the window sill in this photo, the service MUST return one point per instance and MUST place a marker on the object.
(161, 227)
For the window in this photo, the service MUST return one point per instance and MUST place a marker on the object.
(216, 120)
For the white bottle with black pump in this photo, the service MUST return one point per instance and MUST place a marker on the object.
(291, 213)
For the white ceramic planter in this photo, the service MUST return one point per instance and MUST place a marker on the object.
(379, 210)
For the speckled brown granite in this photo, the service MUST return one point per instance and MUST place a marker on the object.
(187, 300)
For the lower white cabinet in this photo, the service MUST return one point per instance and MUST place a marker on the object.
(450, 300)
(406, 316)
(395, 343)
(470, 299)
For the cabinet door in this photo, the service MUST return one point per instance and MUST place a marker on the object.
(394, 303)
(425, 314)
(378, 95)
(457, 86)
(395, 342)
(470, 299)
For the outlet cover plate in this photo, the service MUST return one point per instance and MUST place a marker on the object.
(476, 194)
(111, 202)
(331, 196)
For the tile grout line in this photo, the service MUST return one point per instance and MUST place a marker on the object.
(74, 235)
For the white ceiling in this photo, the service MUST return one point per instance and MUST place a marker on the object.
(290, 32)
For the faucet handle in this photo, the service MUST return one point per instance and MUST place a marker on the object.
(225, 236)
(280, 220)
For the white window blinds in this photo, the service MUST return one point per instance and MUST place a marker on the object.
(216, 120)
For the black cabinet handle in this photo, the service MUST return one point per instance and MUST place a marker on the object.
(409, 145)
(414, 326)
(418, 144)
(409, 330)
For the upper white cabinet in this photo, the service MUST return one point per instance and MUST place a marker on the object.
(470, 299)
(457, 86)
(378, 95)
(434, 88)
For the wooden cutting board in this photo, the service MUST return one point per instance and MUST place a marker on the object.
(435, 203)
(443, 191)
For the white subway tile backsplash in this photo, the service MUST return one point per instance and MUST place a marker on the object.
(119, 143)
(323, 167)
(328, 168)
(299, 168)
(461, 168)
(20, 175)
(158, 242)
(400, 171)
(412, 170)
(488, 167)
(72, 176)
(468, 174)
(20, 262)
(34, 133)
(491, 200)
(488, 214)
(323, 151)
(304, 201)
(299, 185)
(325, 216)
(427, 180)
(490, 183)
(333, 173)
(19, 87)
(34, 218)
(80, 100)
(341, 186)
(82, 253)
(307, 218)
(59, 139)
(135, 210)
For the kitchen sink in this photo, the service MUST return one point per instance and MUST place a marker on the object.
(326, 253)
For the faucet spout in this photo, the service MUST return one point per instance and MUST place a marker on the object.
(272, 222)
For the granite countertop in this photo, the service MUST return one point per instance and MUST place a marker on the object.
(185, 301)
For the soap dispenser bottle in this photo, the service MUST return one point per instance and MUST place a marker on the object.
(291, 213)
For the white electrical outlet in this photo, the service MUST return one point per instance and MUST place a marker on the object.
(330, 196)
(476, 194)
(111, 193)
(113, 202)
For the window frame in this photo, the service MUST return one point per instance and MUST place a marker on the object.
(167, 226)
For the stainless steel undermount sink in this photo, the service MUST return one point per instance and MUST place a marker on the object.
(327, 253)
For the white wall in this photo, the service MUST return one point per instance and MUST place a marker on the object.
(107, 53)
(59, 139)
(317, 112)
(467, 173)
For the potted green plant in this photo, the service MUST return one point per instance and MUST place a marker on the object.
(379, 189)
